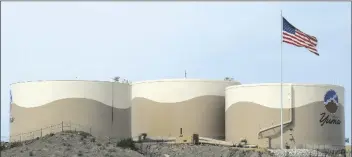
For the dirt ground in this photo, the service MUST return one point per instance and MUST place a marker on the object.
(75, 144)
(68, 144)
(184, 150)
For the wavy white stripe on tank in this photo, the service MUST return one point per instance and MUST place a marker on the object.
(34, 94)
(178, 91)
(268, 95)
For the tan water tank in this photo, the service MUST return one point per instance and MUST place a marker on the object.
(99, 107)
(161, 108)
(313, 115)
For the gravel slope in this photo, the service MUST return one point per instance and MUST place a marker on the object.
(184, 150)
(69, 145)
(76, 144)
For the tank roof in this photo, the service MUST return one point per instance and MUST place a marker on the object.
(284, 84)
(183, 80)
(59, 81)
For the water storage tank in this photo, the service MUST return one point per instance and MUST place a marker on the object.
(167, 108)
(102, 108)
(313, 115)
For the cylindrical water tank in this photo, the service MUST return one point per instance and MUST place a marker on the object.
(168, 108)
(42, 107)
(313, 115)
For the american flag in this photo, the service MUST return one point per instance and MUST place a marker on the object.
(292, 35)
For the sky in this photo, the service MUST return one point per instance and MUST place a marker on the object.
(156, 40)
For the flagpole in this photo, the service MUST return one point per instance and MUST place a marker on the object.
(281, 100)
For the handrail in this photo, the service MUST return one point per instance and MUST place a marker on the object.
(286, 123)
(61, 125)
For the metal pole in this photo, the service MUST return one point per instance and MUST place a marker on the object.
(112, 108)
(281, 100)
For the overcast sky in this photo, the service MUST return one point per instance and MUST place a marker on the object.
(155, 40)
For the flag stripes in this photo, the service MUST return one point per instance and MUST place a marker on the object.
(294, 36)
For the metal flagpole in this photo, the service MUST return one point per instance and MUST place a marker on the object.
(281, 100)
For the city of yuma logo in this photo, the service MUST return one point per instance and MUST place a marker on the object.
(331, 103)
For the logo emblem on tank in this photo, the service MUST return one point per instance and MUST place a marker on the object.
(331, 101)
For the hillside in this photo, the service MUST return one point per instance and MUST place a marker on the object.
(75, 144)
